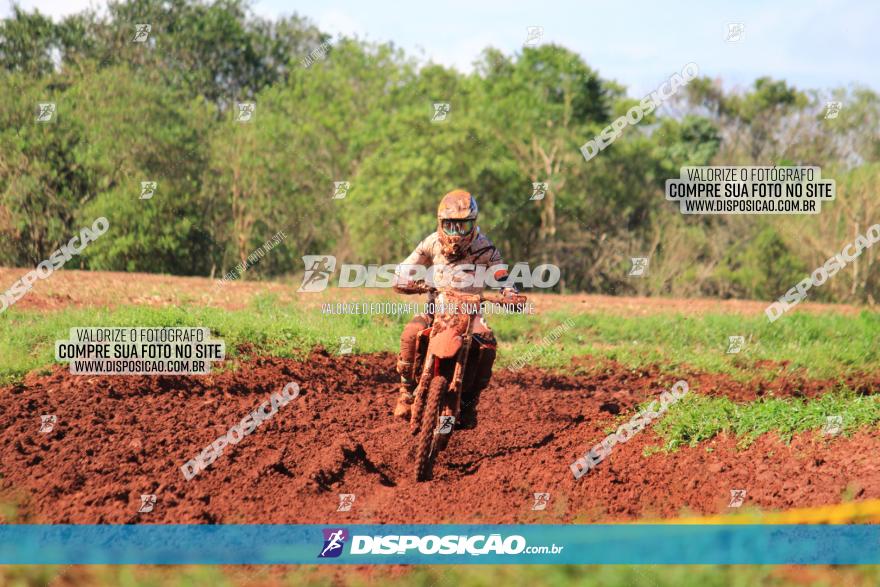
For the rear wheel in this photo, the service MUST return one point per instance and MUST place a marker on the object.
(426, 447)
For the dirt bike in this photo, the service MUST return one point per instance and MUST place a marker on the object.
(444, 358)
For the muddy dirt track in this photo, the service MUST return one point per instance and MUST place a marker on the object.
(119, 437)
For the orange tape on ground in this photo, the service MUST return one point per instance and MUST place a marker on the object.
(844, 513)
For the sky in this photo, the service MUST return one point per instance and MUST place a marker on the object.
(810, 43)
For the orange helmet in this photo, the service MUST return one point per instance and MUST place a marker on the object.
(456, 223)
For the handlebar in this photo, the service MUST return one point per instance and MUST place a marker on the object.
(414, 287)
(508, 300)
(420, 287)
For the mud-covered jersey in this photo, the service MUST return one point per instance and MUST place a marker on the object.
(482, 254)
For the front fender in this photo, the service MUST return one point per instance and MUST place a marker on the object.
(445, 344)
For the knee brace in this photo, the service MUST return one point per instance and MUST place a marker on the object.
(405, 369)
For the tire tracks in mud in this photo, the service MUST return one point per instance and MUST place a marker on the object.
(120, 437)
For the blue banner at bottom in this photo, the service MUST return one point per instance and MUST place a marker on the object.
(439, 544)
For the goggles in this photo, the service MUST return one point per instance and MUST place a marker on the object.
(457, 227)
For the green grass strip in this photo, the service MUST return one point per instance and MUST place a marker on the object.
(822, 345)
(697, 418)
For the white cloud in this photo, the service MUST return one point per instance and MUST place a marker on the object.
(57, 9)
(337, 22)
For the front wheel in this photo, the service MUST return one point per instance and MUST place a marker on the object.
(427, 447)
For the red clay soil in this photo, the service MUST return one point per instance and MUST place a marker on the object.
(119, 437)
(71, 288)
(786, 383)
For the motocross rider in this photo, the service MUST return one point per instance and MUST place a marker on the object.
(457, 241)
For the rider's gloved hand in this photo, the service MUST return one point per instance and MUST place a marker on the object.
(512, 298)
(401, 285)
(409, 286)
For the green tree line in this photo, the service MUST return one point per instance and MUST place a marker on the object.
(165, 109)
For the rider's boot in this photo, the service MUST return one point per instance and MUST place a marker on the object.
(404, 402)
(407, 386)
(405, 366)
(468, 415)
